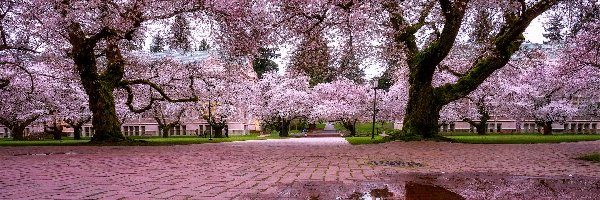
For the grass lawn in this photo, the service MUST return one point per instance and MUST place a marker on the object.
(64, 142)
(366, 128)
(522, 139)
(366, 140)
(200, 140)
(149, 141)
(592, 157)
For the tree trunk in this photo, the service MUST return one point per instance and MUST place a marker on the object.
(77, 132)
(481, 128)
(165, 131)
(105, 120)
(56, 134)
(18, 132)
(218, 131)
(422, 112)
(285, 127)
(351, 126)
(98, 86)
(547, 128)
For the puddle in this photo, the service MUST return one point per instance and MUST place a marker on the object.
(46, 154)
(417, 191)
(450, 186)
(375, 194)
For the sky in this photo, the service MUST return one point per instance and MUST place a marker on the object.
(534, 34)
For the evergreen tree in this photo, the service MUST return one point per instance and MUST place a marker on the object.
(262, 63)
(136, 43)
(349, 65)
(483, 26)
(387, 79)
(180, 34)
(203, 46)
(585, 16)
(553, 29)
(158, 43)
(312, 58)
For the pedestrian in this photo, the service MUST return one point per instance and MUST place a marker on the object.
(226, 132)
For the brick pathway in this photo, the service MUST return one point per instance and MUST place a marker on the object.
(243, 169)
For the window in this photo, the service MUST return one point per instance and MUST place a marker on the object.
(143, 128)
(594, 128)
(498, 127)
(491, 127)
(137, 130)
(452, 126)
(183, 130)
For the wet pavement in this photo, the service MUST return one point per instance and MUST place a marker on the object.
(302, 168)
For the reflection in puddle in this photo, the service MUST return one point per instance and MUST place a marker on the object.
(416, 191)
(375, 194)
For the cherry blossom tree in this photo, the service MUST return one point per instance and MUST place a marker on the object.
(342, 100)
(540, 90)
(28, 97)
(279, 99)
(168, 116)
(91, 36)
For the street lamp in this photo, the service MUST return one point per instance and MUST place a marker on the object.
(209, 118)
(375, 84)
(209, 112)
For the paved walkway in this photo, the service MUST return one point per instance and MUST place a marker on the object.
(265, 169)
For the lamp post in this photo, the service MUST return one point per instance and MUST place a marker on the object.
(374, 107)
(209, 121)
(209, 112)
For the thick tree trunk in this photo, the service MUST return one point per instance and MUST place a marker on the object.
(218, 131)
(56, 135)
(98, 86)
(422, 112)
(105, 120)
(481, 128)
(547, 128)
(165, 132)
(77, 132)
(18, 132)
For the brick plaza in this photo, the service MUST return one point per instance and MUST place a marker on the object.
(277, 169)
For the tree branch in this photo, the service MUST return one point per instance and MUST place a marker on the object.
(125, 84)
(507, 41)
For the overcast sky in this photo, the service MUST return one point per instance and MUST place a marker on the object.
(532, 34)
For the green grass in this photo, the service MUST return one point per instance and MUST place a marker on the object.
(366, 128)
(48, 142)
(149, 141)
(595, 157)
(201, 140)
(320, 125)
(521, 139)
(366, 140)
